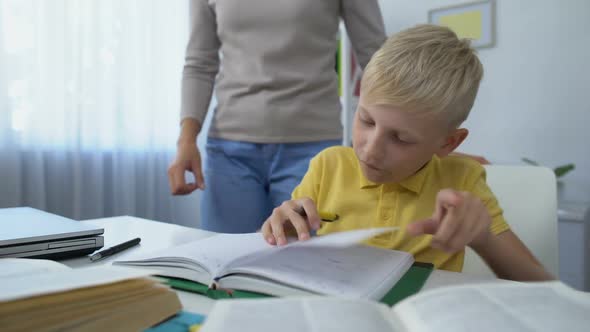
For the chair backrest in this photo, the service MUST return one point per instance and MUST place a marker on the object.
(528, 196)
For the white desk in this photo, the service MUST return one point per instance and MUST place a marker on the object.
(156, 235)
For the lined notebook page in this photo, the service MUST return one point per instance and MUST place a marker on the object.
(332, 270)
(218, 251)
(212, 253)
(343, 239)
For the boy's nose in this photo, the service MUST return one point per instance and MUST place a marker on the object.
(373, 151)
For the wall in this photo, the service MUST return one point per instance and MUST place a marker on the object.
(533, 99)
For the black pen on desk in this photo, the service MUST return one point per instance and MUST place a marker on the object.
(115, 249)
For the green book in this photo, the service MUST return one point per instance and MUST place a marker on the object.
(409, 284)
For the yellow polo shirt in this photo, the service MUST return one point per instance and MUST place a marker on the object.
(335, 182)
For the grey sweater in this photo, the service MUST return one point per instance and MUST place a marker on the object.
(272, 65)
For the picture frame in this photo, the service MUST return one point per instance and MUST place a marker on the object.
(473, 20)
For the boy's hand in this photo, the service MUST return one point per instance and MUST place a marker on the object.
(287, 217)
(459, 219)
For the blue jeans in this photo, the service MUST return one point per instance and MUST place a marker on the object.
(245, 181)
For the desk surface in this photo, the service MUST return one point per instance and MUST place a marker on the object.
(157, 235)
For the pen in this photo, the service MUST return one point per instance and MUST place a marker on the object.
(324, 216)
(328, 216)
(114, 249)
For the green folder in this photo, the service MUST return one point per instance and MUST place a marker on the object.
(411, 282)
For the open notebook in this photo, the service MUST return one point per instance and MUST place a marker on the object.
(333, 264)
(495, 307)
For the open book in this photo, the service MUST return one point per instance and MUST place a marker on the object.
(333, 264)
(42, 295)
(549, 306)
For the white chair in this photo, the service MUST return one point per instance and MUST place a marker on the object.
(528, 196)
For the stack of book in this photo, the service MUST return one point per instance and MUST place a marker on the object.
(42, 295)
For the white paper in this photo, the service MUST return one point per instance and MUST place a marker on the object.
(295, 315)
(218, 251)
(343, 239)
(498, 307)
(358, 271)
(212, 253)
(22, 286)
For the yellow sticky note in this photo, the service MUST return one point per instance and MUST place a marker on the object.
(194, 328)
(465, 25)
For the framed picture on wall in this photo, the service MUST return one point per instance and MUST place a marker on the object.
(474, 20)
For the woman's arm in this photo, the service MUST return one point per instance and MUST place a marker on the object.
(365, 27)
(201, 62)
(198, 78)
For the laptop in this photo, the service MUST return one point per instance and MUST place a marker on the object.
(31, 233)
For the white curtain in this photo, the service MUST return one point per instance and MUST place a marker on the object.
(89, 104)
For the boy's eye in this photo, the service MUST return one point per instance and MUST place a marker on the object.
(367, 122)
(400, 140)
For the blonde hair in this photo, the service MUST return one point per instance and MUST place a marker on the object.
(425, 68)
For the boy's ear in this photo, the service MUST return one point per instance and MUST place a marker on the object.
(452, 141)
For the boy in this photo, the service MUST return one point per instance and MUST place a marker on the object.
(416, 92)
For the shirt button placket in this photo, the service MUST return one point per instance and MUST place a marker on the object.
(387, 203)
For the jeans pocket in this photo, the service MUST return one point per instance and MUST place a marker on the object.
(214, 145)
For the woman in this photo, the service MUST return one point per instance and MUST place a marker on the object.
(277, 94)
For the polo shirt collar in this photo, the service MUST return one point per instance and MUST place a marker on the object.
(413, 183)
